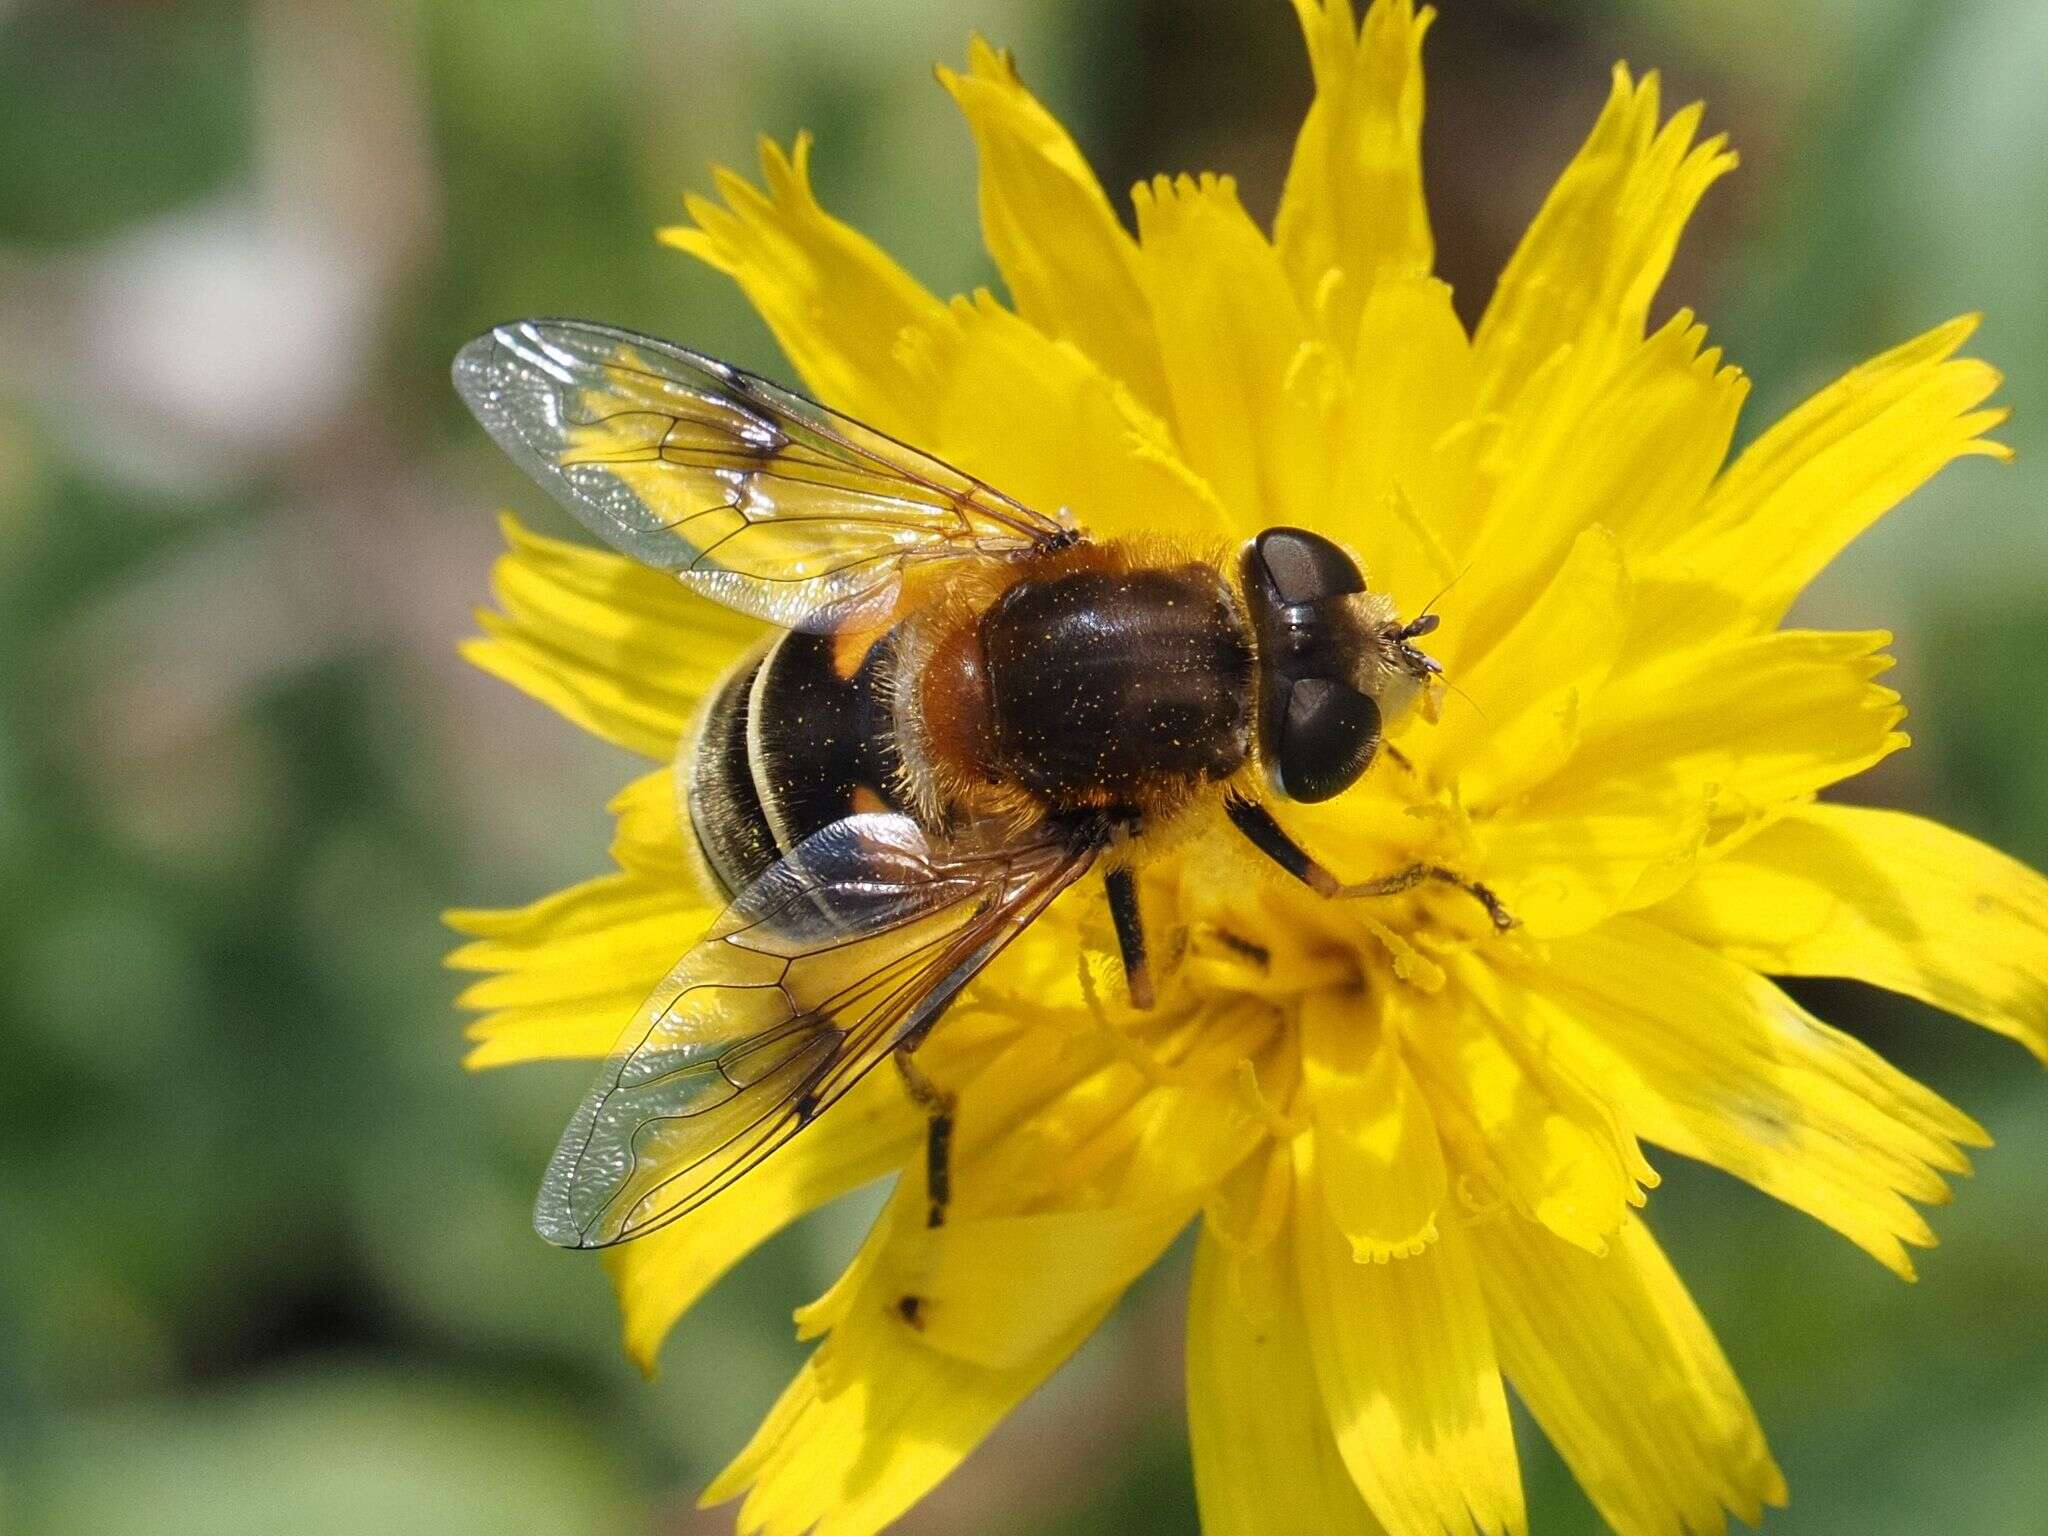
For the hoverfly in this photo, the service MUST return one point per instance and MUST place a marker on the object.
(970, 705)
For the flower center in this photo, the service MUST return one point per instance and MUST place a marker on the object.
(1235, 941)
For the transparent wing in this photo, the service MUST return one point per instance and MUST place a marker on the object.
(855, 939)
(759, 498)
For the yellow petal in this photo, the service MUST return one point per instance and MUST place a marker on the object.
(572, 967)
(1071, 1116)
(835, 301)
(1817, 479)
(1550, 1138)
(1246, 405)
(1384, 1176)
(1404, 1355)
(1747, 725)
(650, 838)
(1585, 273)
(935, 1334)
(1040, 420)
(1520, 715)
(1704, 1056)
(1265, 1460)
(623, 651)
(1248, 1211)
(1562, 869)
(1058, 1210)
(1001, 1290)
(1616, 1363)
(872, 1131)
(1072, 271)
(1353, 202)
(1893, 900)
(1677, 402)
(875, 1419)
(1403, 475)
(1628, 436)
(1582, 418)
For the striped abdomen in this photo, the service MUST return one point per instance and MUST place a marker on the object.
(788, 746)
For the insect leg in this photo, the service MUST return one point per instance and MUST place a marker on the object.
(1130, 934)
(1271, 839)
(937, 1104)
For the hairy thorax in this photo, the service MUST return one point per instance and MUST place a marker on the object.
(1094, 681)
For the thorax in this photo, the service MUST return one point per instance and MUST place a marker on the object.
(1098, 678)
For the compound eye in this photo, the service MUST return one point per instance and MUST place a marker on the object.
(1305, 567)
(1327, 739)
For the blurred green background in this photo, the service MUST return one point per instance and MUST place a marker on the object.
(264, 1256)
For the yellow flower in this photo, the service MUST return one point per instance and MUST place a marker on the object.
(1415, 1148)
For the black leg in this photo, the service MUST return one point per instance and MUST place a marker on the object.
(1271, 839)
(937, 1105)
(1130, 934)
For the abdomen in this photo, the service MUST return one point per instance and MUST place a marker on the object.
(788, 745)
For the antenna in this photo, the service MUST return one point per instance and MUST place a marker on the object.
(1461, 693)
(1426, 620)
